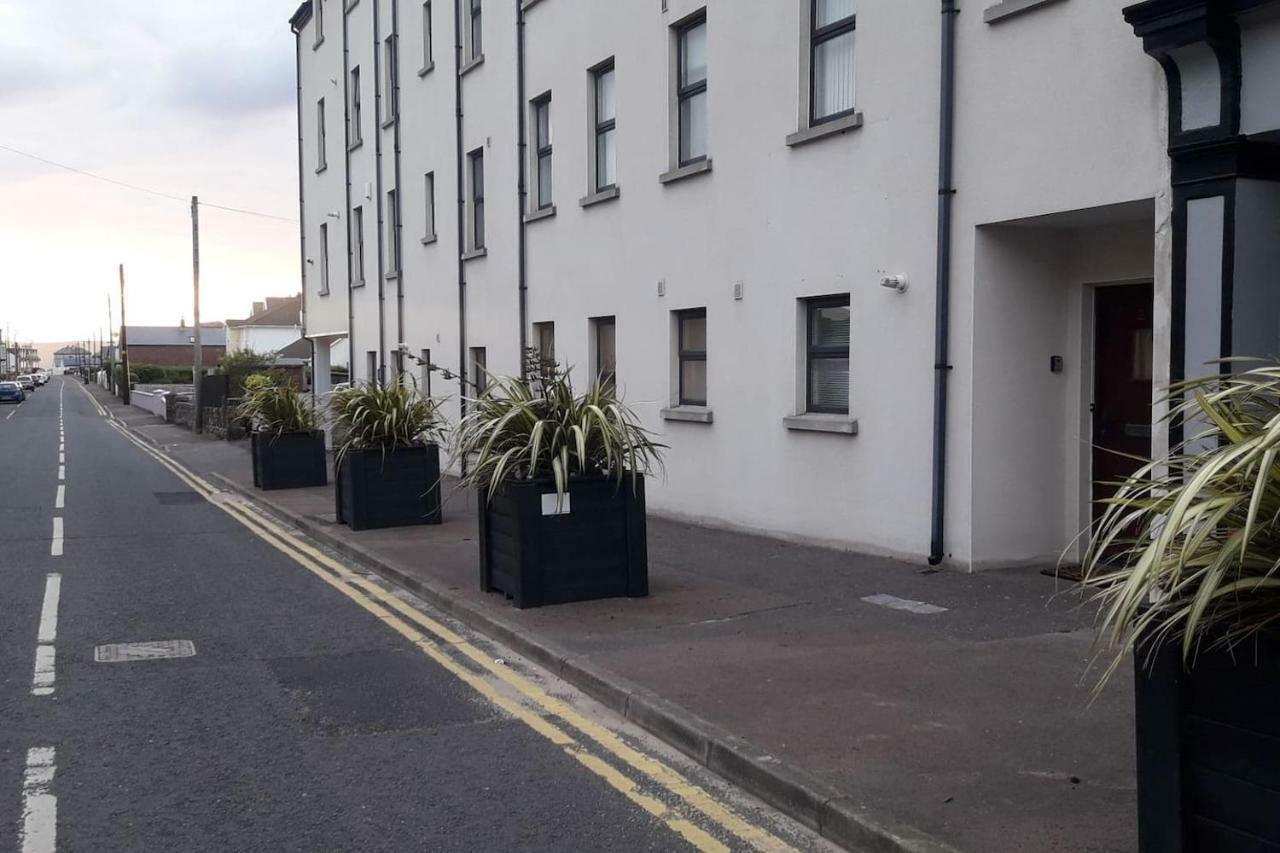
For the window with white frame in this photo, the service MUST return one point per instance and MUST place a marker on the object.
(391, 78)
(321, 137)
(691, 89)
(353, 108)
(605, 121)
(832, 26)
(475, 161)
(429, 194)
(357, 247)
(691, 356)
(428, 58)
(827, 354)
(393, 232)
(542, 152)
(324, 258)
(475, 42)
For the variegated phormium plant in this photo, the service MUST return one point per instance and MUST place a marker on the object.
(274, 407)
(370, 416)
(1188, 548)
(541, 428)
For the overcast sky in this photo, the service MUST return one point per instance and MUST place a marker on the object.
(183, 98)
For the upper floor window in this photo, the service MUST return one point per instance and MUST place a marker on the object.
(691, 353)
(324, 258)
(476, 162)
(542, 151)
(320, 136)
(691, 90)
(393, 232)
(318, 6)
(827, 354)
(428, 58)
(606, 158)
(353, 108)
(832, 28)
(357, 247)
(391, 77)
(475, 43)
(429, 192)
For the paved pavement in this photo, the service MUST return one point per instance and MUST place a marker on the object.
(968, 719)
(322, 710)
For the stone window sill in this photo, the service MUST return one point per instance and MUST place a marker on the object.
(817, 422)
(827, 128)
(359, 283)
(475, 253)
(470, 64)
(392, 276)
(525, 4)
(389, 122)
(701, 167)
(1009, 8)
(692, 414)
(352, 146)
(316, 45)
(321, 168)
(545, 213)
(350, 4)
(606, 194)
(426, 69)
(429, 239)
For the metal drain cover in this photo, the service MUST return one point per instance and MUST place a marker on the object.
(154, 650)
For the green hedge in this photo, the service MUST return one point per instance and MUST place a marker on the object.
(154, 374)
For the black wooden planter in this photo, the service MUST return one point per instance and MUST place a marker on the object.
(289, 461)
(1209, 749)
(538, 552)
(400, 487)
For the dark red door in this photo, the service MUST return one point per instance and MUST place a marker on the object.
(1122, 359)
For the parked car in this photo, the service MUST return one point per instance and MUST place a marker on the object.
(27, 382)
(11, 392)
(41, 377)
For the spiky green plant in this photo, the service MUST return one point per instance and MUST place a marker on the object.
(274, 408)
(1188, 548)
(372, 416)
(540, 428)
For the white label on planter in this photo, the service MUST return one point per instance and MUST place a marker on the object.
(554, 503)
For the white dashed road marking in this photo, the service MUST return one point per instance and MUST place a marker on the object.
(62, 472)
(55, 548)
(39, 832)
(49, 612)
(61, 500)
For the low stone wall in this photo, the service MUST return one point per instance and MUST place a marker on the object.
(222, 422)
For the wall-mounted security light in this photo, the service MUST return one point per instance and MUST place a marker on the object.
(896, 282)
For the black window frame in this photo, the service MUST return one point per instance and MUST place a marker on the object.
(683, 354)
(542, 151)
(818, 36)
(354, 133)
(602, 127)
(390, 57)
(476, 33)
(598, 324)
(686, 92)
(475, 164)
(812, 352)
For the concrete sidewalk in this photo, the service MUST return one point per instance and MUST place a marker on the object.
(766, 660)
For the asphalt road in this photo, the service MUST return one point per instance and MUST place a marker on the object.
(306, 720)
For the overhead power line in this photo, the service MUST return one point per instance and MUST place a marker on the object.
(141, 189)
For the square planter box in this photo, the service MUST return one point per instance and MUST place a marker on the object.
(400, 487)
(289, 461)
(1208, 743)
(539, 551)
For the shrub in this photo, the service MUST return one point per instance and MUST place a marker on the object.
(371, 416)
(274, 408)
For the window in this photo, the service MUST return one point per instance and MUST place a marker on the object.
(475, 44)
(832, 26)
(542, 151)
(424, 376)
(691, 353)
(544, 335)
(605, 331)
(393, 232)
(353, 109)
(827, 355)
(691, 90)
(476, 159)
(479, 376)
(321, 143)
(429, 192)
(606, 159)
(427, 56)
(357, 247)
(371, 365)
(319, 15)
(392, 78)
(397, 366)
(324, 258)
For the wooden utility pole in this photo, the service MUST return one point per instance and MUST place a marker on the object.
(124, 346)
(198, 362)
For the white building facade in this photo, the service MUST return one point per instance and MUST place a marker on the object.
(747, 213)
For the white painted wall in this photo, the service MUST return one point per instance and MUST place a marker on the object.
(261, 339)
(1058, 110)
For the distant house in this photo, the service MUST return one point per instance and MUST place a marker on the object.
(271, 326)
(70, 358)
(171, 346)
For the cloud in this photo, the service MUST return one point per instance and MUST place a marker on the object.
(247, 81)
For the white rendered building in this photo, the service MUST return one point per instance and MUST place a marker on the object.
(879, 277)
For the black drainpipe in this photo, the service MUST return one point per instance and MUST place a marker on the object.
(522, 186)
(377, 199)
(302, 226)
(942, 323)
(346, 213)
(462, 276)
(395, 135)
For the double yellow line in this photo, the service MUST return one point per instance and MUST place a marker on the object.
(540, 711)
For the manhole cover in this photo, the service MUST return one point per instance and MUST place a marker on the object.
(154, 650)
(178, 497)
